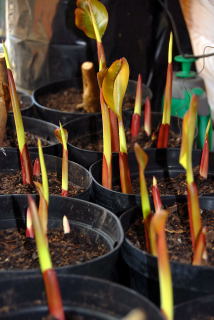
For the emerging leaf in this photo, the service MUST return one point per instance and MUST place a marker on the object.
(44, 172)
(204, 165)
(91, 17)
(115, 84)
(62, 135)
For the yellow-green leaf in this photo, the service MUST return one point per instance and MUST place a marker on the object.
(115, 84)
(62, 136)
(91, 17)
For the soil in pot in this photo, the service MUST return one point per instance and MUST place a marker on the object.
(67, 99)
(175, 185)
(178, 234)
(19, 252)
(31, 139)
(94, 142)
(11, 183)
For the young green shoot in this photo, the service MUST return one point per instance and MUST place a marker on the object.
(91, 17)
(200, 252)
(36, 168)
(204, 165)
(147, 117)
(136, 117)
(158, 223)
(62, 136)
(23, 150)
(114, 87)
(188, 132)
(163, 135)
(142, 159)
(49, 275)
(66, 225)
(43, 206)
(29, 225)
(43, 172)
(156, 196)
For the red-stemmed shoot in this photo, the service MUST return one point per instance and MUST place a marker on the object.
(29, 225)
(204, 165)
(53, 293)
(158, 223)
(43, 172)
(24, 154)
(4, 97)
(142, 159)
(156, 196)
(188, 132)
(114, 87)
(36, 168)
(163, 135)
(147, 117)
(200, 252)
(62, 136)
(136, 117)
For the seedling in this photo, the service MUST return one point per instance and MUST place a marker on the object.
(136, 117)
(66, 225)
(200, 252)
(4, 97)
(156, 196)
(165, 279)
(36, 168)
(29, 225)
(204, 165)
(147, 117)
(62, 136)
(114, 87)
(142, 159)
(49, 275)
(188, 132)
(24, 154)
(163, 135)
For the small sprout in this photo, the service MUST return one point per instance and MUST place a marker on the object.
(142, 159)
(66, 225)
(29, 225)
(43, 207)
(44, 172)
(136, 117)
(200, 252)
(62, 136)
(24, 154)
(163, 135)
(135, 314)
(49, 275)
(36, 168)
(204, 165)
(147, 117)
(4, 98)
(165, 279)
(156, 196)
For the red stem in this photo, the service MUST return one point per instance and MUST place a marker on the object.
(106, 174)
(135, 125)
(147, 117)
(163, 136)
(53, 294)
(114, 132)
(26, 166)
(204, 165)
(156, 198)
(36, 168)
(125, 178)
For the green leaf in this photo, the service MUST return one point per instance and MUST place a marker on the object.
(91, 17)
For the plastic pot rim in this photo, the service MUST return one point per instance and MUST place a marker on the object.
(52, 198)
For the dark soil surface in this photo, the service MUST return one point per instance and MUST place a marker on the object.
(11, 183)
(178, 234)
(94, 141)
(67, 100)
(19, 252)
(175, 185)
(31, 139)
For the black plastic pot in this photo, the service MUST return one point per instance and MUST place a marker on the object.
(9, 161)
(83, 297)
(91, 127)
(162, 162)
(41, 129)
(189, 282)
(94, 220)
(54, 116)
(201, 308)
